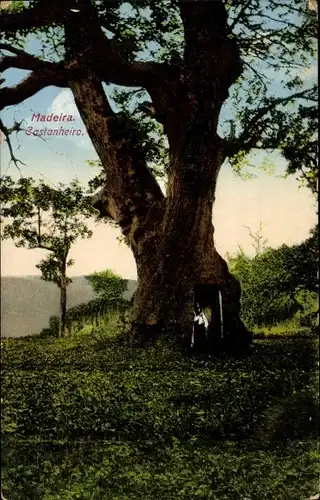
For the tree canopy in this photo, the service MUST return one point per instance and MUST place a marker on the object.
(145, 47)
(108, 285)
(37, 215)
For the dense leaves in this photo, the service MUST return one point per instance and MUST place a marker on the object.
(37, 215)
(273, 105)
(279, 284)
(108, 285)
(104, 470)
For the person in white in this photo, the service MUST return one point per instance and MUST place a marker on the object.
(201, 319)
(200, 325)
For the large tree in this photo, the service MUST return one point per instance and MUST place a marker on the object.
(208, 69)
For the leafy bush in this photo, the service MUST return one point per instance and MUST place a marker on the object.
(108, 285)
(308, 314)
(278, 284)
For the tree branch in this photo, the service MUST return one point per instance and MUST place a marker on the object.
(252, 133)
(135, 74)
(211, 56)
(42, 14)
(107, 58)
(241, 13)
(45, 73)
(22, 59)
(51, 74)
(109, 66)
(262, 79)
(6, 132)
(108, 52)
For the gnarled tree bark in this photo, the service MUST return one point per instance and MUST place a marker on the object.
(171, 238)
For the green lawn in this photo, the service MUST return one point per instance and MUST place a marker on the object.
(85, 418)
(284, 329)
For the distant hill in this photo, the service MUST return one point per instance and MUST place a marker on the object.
(28, 302)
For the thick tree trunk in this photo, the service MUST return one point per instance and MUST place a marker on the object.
(171, 238)
(166, 307)
(185, 258)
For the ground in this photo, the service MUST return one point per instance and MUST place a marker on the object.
(86, 418)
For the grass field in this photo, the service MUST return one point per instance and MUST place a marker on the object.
(86, 418)
(284, 329)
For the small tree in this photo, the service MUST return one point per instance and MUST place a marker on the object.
(108, 285)
(258, 241)
(36, 215)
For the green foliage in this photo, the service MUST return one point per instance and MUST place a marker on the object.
(17, 39)
(36, 215)
(84, 422)
(272, 106)
(50, 268)
(114, 470)
(307, 315)
(278, 284)
(291, 131)
(300, 148)
(108, 285)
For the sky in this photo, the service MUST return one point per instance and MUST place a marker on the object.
(287, 212)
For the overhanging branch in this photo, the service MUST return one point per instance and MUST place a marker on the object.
(21, 60)
(43, 14)
(44, 74)
(140, 74)
(254, 129)
(29, 86)
(107, 58)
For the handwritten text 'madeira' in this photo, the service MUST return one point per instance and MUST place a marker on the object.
(52, 118)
